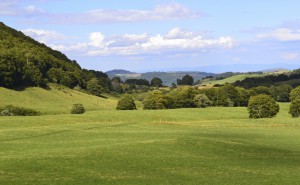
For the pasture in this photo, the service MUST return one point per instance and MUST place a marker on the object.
(184, 146)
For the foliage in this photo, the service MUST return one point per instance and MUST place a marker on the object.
(126, 103)
(260, 90)
(295, 93)
(186, 80)
(155, 100)
(295, 108)
(243, 97)
(201, 101)
(26, 62)
(156, 82)
(77, 109)
(262, 106)
(11, 110)
(183, 98)
(281, 93)
(94, 87)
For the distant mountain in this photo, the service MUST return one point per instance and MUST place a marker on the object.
(167, 77)
(119, 72)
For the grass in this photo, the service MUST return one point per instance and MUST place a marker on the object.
(185, 146)
(57, 100)
(230, 79)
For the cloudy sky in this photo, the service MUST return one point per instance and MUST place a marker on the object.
(163, 35)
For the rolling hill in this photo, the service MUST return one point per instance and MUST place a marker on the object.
(56, 100)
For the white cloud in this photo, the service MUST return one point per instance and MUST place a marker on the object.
(173, 11)
(175, 41)
(96, 39)
(282, 34)
(44, 36)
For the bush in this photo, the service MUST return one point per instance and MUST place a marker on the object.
(262, 106)
(77, 109)
(295, 94)
(202, 101)
(126, 103)
(295, 108)
(155, 100)
(11, 110)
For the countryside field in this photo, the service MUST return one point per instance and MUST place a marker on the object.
(184, 146)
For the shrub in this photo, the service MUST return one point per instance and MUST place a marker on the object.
(295, 108)
(202, 101)
(262, 106)
(295, 94)
(11, 110)
(155, 100)
(126, 103)
(77, 109)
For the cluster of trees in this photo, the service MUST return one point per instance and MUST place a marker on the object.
(260, 101)
(269, 80)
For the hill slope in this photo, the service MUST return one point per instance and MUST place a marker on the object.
(57, 100)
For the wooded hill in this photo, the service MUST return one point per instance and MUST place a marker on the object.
(26, 62)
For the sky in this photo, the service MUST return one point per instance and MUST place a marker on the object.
(163, 35)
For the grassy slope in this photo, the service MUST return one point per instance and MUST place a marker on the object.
(184, 146)
(230, 79)
(57, 100)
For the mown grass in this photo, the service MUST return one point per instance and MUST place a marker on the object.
(184, 146)
(56, 100)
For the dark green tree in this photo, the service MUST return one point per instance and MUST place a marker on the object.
(243, 97)
(126, 103)
(281, 93)
(156, 82)
(186, 80)
(94, 87)
(262, 106)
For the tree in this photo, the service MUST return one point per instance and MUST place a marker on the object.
(295, 108)
(260, 90)
(183, 98)
(126, 103)
(281, 93)
(295, 93)
(201, 101)
(156, 82)
(262, 106)
(227, 96)
(155, 100)
(94, 87)
(243, 97)
(186, 80)
(77, 109)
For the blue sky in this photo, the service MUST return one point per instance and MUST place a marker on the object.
(161, 35)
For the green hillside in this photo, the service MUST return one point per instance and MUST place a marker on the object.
(57, 100)
(230, 79)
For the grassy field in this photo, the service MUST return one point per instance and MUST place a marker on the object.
(230, 79)
(57, 100)
(184, 146)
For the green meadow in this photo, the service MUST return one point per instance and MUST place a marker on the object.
(183, 146)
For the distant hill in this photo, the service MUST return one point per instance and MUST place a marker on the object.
(167, 77)
(119, 72)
